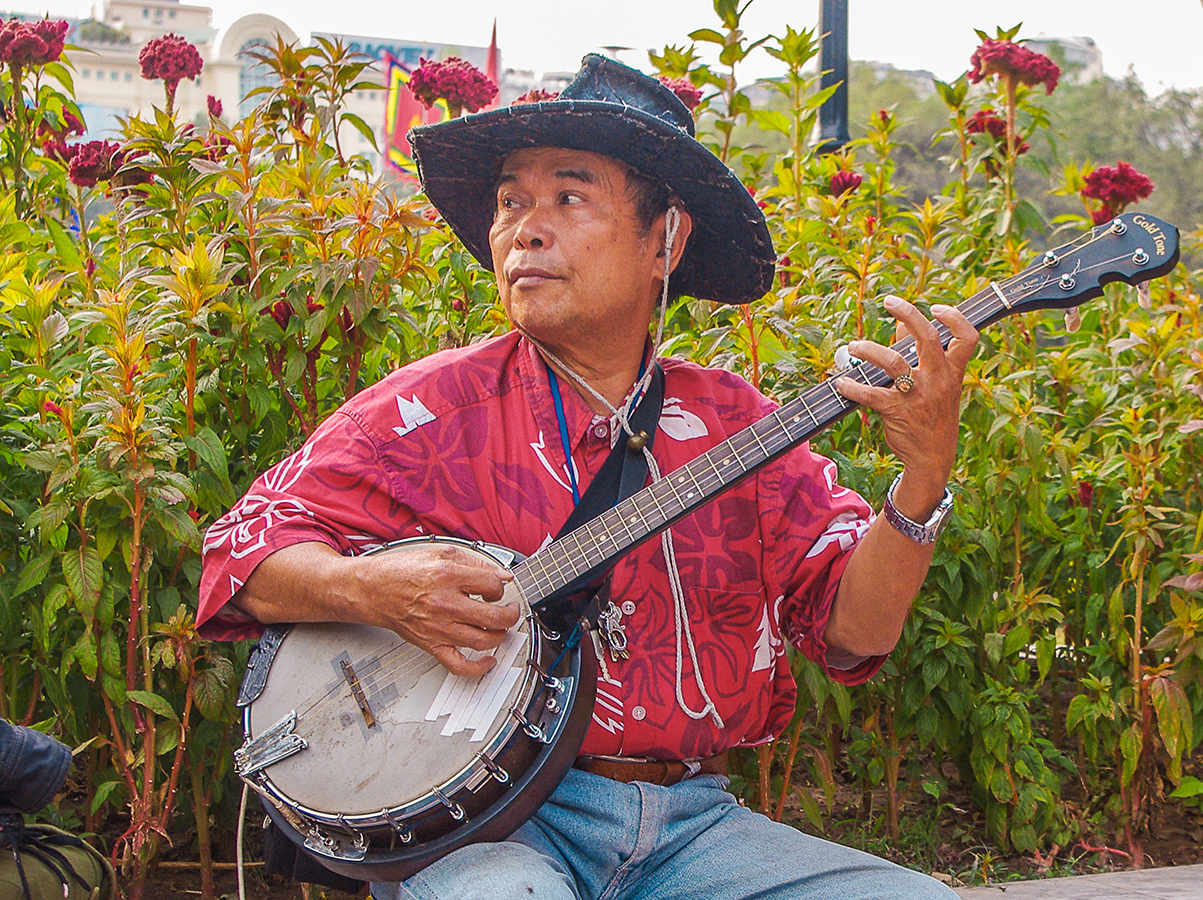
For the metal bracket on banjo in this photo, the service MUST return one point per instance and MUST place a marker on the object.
(255, 679)
(404, 832)
(328, 845)
(275, 744)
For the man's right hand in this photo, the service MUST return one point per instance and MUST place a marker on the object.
(428, 594)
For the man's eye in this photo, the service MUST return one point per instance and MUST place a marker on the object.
(567, 199)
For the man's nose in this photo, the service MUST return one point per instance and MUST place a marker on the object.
(534, 228)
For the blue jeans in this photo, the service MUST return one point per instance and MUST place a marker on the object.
(597, 839)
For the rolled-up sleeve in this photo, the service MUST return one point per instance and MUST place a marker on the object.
(334, 490)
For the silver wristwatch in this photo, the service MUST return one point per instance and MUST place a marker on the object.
(920, 533)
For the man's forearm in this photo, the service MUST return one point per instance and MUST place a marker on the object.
(882, 578)
(302, 583)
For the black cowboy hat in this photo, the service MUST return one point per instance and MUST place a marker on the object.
(619, 112)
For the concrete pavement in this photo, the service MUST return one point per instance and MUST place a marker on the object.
(1173, 883)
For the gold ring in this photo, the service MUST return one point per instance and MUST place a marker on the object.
(904, 383)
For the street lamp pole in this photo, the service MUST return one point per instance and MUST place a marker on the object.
(833, 59)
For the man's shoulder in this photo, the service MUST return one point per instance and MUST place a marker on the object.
(728, 393)
(443, 381)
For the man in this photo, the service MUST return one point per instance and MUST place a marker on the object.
(586, 208)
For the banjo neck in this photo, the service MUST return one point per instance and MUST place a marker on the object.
(1132, 248)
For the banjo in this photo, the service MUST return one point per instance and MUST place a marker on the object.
(378, 761)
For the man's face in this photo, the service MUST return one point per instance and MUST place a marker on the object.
(574, 268)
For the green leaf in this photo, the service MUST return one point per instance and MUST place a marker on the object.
(155, 703)
(34, 573)
(209, 449)
(1190, 787)
(56, 599)
(362, 127)
(1023, 839)
(86, 654)
(64, 247)
(1130, 744)
(84, 573)
(1044, 654)
(993, 645)
(1017, 638)
(102, 794)
(1078, 708)
(708, 36)
(176, 521)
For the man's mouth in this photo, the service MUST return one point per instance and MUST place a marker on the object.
(530, 276)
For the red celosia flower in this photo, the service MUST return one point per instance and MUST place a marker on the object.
(870, 225)
(686, 91)
(25, 44)
(281, 311)
(312, 306)
(58, 149)
(214, 106)
(216, 146)
(51, 407)
(458, 305)
(984, 121)
(536, 95)
(1085, 493)
(1116, 187)
(170, 58)
(90, 267)
(844, 181)
(1013, 62)
(885, 116)
(95, 161)
(460, 83)
(70, 125)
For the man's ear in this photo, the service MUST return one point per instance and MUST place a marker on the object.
(680, 239)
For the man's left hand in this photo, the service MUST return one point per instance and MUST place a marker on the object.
(920, 425)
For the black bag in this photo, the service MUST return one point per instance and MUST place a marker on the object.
(41, 862)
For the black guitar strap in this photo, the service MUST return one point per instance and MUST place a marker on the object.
(621, 475)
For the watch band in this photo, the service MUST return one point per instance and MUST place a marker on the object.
(920, 533)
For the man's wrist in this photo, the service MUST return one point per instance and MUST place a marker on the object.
(922, 531)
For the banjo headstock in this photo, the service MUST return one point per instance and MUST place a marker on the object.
(1132, 248)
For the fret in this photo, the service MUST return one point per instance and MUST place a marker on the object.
(752, 430)
(713, 464)
(776, 414)
(687, 475)
(810, 412)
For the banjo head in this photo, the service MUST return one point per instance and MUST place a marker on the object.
(427, 725)
(378, 761)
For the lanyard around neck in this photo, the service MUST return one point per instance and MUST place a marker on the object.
(558, 402)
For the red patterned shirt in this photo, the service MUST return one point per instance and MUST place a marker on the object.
(466, 443)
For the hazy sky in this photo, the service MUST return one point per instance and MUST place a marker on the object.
(1160, 38)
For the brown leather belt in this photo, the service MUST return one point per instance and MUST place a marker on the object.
(653, 771)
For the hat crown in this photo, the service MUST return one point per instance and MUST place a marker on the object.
(607, 81)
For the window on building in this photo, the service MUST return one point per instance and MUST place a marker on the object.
(86, 73)
(252, 74)
(145, 13)
(171, 14)
(113, 75)
(129, 76)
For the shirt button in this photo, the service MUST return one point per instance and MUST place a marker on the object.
(639, 713)
(628, 607)
(601, 431)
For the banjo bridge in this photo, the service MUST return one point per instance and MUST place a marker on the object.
(357, 692)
